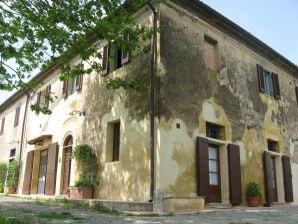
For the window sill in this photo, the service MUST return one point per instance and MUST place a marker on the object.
(216, 141)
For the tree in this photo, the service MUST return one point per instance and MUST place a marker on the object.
(35, 34)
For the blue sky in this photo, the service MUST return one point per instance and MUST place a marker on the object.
(272, 21)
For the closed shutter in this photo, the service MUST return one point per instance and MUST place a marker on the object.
(234, 174)
(38, 99)
(28, 173)
(202, 166)
(276, 86)
(51, 169)
(17, 116)
(296, 89)
(79, 82)
(2, 126)
(268, 177)
(261, 78)
(105, 60)
(125, 54)
(48, 94)
(65, 89)
(286, 165)
(66, 171)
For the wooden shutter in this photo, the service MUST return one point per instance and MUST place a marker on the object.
(17, 116)
(276, 86)
(202, 166)
(234, 174)
(2, 126)
(296, 89)
(261, 78)
(125, 54)
(116, 142)
(38, 99)
(79, 82)
(51, 169)
(105, 60)
(268, 177)
(28, 173)
(286, 165)
(48, 93)
(65, 89)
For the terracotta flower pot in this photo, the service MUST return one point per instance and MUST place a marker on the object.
(81, 193)
(253, 202)
(9, 190)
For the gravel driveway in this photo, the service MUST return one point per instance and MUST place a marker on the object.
(45, 213)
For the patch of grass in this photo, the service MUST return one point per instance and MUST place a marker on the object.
(102, 209)
(26, 211)
(55, 215)
(13, 220)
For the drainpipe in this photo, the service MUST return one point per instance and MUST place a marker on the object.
(152, 102)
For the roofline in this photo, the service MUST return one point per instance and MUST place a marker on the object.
(231, 29)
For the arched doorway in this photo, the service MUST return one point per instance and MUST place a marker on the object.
(67, 149)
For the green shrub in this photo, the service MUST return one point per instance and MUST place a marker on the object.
(253, 190)
(12, 174)
(3, 168)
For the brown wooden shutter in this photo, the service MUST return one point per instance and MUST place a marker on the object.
(2, 126)
(51, 169)
(17, 116)
(286, 165)
(65, 89)
(105, 60)
(268, 177)
(38, 99)
(79, 82)
(296, 89)
(234, 174)
(202, 166)
(28, 173)
(125, 54)
(261, 78)
(48, 93)
(276, 86)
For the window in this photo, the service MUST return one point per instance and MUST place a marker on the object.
(272, 145)
(17, 116)
(114, 57)
(268, 82)
(210, 53)
(43, 98)
(214, 131)
(2, 126)
(296, 90)
(12, 155)
(72, 85)
(116, 141)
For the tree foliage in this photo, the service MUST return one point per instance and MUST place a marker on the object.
(35, 34)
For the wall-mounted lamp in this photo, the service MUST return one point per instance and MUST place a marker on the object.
(77, 112)
(294, 139)
(14, 141)
(39, 143)
(253, 126)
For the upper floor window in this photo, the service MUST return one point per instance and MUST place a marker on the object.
(44, 97)
(268, 82)
(214, 131)
(12, 155)
(73, 84)
(2, 126)
(17, 116)
(114, 57)
(210, 48)
(272, 145)
(296, 90)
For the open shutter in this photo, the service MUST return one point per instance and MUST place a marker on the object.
(51, 169)
(28, 173)
(17, 116)
(2, 126)
(296, 89)
(125, 54)
(261, 78)
(38, 99)
(79, 82)
(48, 93)
(276, 86)
(202, 166)
(234, 174)
(65, 89)
(286, 165)
(105, 60)
(268, 177)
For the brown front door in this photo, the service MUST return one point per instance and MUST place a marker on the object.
(66, 171)
(214, 189)
(274, 186)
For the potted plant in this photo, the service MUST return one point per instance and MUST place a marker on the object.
(87, 164)
(3, 168)
(12, 177)
(253, 192)
(68, 192)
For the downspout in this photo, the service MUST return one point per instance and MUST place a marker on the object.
(23, 130)
(152, 101)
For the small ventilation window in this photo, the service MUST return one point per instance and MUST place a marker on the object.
(214, 131)
(272, 145)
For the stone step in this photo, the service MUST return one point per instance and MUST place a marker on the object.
(220, 205)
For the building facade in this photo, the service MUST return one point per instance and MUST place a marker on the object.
(225, 115)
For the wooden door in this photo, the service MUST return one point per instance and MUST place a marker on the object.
(28, 173)
(214, 187)
(51, 169)
(42, 172)
(274, 185)
(268, 178)
(66, 170)
(287, 173)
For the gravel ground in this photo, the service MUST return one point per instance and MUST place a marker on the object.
(32, 210)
